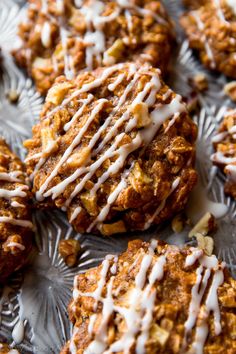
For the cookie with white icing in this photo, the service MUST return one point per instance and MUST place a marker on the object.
(15, 220)
(115, 148)
(65, 37)
(154, 299)
(225, 156)
(211, 30)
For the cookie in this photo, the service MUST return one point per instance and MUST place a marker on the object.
(154, 298)
(65, 37)
(15, 218)
(211, 30)
(225, 156)
(115, 148)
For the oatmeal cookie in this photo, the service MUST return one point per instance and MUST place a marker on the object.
(65, 37)
(15, 224)
(154, 299)
(115, 148)
(225, 156)
(211, 30)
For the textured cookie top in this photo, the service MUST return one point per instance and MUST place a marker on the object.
(154, 298)
(225, 146)
(15, 224)
(211, 30)
(64, 37)
(115, 148)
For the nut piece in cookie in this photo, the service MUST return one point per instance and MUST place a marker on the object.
(65, 37)
(111, 168)
(15, 219)
(69, 250)
(154, 299)
(211, 31)
(225, 146)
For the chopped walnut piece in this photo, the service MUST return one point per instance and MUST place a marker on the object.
(115, 228)
(159, 334)
(177, 223)
(13, 96)
(204, 226)
(140, 111)
(47, 136)
(206, 243)
(230, 90)
(114, 53)
(138, 178)
(58, 92)
(89, 201)
(79, 158)
(13, 244)
(199, 82)
(69, 250)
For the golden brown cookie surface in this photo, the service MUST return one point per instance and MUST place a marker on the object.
(211, 30)
(115, 148)
(154, 298)
(225, 155)
(15, 224)
(194, 4)
(65, 37)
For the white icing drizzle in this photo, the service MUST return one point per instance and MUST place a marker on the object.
(60, 6)
(94, 37)
(75, 213)
(11, 176)
(15, 204)
(219, 11)
(67, 67)
(44, 6)
(209, 268)
(143, 137)
(138, 310)
(18, 192)
(46, 34)
(232, 4)
(201, 27)
(9, 220)
(162, 205)
(117, 82)
(17, 245)
(227, 158)
(137, 316)
(9, 194)
(79, 113)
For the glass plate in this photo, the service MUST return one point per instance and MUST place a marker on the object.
(33, 305)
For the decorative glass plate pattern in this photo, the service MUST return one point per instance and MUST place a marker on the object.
(33, 305)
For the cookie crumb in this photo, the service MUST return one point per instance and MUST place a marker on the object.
(199, 82)
(205, 226)
(13, 96)
(178, 223)
(69, 250)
